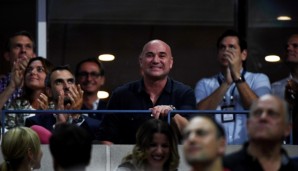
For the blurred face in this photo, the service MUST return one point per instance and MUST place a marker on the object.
(201, 144)
(37, 160)
(267, 120)
(156, 60)
(159, 151)
(229, 43)
(35, 75)
(90, 78)
(21, 47)
(292, 49)
(61, 82)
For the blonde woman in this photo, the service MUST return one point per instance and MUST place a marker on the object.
(21, 150)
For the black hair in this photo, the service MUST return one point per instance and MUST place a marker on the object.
(48, 77)
(70, 146)
(241, 41)
(94, 60)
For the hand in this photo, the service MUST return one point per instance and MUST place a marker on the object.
(23, 63)
(291, 92)
(228, 77)
(17, 76)
(161, 110)
(235, 62)
(43, 101)
(76, 97)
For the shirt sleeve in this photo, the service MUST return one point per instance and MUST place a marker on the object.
(261, 85)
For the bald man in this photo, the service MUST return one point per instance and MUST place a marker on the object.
(155, 91)
(268, 124)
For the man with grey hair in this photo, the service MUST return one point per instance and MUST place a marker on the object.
(268, 124)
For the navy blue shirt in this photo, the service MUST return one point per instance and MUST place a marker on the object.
(243, 161)
(122, 128)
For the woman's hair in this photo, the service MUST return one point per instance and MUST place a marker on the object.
(144, 138)
(15, 146)
(47, 65)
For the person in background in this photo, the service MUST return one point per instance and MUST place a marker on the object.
(233, 89)
(287, 88)
(71, 148)
(33, 92)
(204, 144)
(90, 74)
(19, 50)
(268, 124)
(21, 150)
(65, 95)
(155, 91)
(155, 149)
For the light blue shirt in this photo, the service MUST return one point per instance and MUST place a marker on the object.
(235, 130)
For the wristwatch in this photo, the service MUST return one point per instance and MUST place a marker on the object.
(239, 80)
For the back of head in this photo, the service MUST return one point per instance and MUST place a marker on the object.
(70, 147)
(16, 143)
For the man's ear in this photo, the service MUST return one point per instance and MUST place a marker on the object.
(244, 55)
(102, 81)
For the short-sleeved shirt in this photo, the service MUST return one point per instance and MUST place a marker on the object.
(243, 161)
(122, 128)
(4, 83)
(235, 130)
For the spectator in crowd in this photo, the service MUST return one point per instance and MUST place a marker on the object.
(204, 144)
(155, 149)
(19, 50)
(155, 91)
(287, 88)
(33, 92)
(90, 74)
(66, 95)
(234, 88)
(21, 150)
(70, 147)
(268, 124)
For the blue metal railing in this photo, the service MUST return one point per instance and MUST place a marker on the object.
(212, 112)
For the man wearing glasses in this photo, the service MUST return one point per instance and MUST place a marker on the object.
(90, 75)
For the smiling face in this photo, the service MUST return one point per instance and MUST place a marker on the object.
(201, 143)
(90, 78)
(35, 75)
(159, 151)
(156, 60)
(292, 49)
(267, 121)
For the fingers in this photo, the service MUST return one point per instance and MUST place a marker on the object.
(60, 104)
(43, 101)
(76, 97)
(160, 110)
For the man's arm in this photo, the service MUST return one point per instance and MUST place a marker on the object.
(211, 102)
(16, 82)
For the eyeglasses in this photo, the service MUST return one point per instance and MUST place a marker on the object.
(91, 74)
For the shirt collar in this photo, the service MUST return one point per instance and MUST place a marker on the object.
(167, 88)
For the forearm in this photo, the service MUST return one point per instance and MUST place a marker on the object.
(211, 102)
(246, 94)
(5, 95)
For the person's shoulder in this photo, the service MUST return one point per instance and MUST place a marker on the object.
(280, 82)
(128, 86)
(126, 166)
(234, 159)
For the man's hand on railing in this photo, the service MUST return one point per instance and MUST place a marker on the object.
(161, 110)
